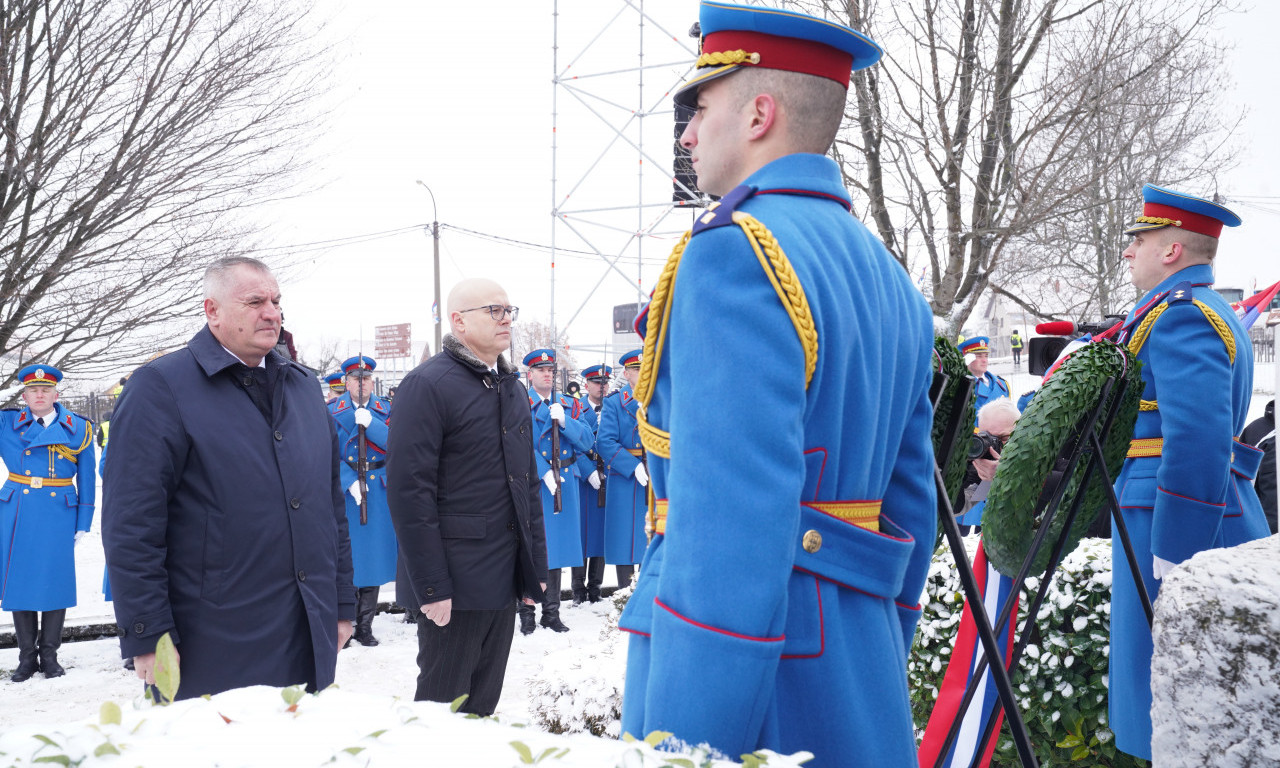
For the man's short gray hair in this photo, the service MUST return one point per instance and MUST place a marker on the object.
(217, 275)
(814, 105)
(999, 405)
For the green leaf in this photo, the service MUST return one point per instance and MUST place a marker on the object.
(457, 703)
(168, 676)
(59, 759)
(526, 755)
(109, 713)
(46, 740)
(293, 694)
(105, 748)
(656, 737)
(351, 750)
(681, 762)
(376, 733)
(1071, 740)
(1080, 753)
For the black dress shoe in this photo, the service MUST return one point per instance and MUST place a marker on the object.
(553, 623)
(367, 639)
(526, 624)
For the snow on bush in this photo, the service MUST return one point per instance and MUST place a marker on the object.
(1061, 680)
(263, 726)
(573, 693)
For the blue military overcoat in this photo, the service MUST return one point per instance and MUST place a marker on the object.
(989, 387)
(564, 528)
(224, 529)
(1186, 486)
(592, 511)
(39, 518)
(805, 648)
(373, 545)
(627, 503)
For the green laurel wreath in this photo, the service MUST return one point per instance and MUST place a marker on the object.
(951, 363)
(1008, 522)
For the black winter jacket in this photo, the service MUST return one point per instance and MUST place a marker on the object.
(461, 483)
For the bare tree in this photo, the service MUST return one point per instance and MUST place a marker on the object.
(134, 132)
(529, 335)
(323, 355)
(977, 133)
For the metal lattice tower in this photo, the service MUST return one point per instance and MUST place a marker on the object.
(618, 193)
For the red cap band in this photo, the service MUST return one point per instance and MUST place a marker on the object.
(786, 53)
(1192, 222)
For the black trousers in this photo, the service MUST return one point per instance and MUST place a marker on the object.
(466, 656)
(588, 576)
(1017, 356)
(550, 597)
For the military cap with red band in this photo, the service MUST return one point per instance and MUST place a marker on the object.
(40, 375)
(738, 36)
(1167, 208)
(540, 358)
(597, 372)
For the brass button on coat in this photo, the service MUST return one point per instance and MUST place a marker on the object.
(812, 541)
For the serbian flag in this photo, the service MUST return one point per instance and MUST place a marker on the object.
(1252, 308)
(996, 589)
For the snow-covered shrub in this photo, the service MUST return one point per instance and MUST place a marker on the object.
(1061, 680)
(573, 692)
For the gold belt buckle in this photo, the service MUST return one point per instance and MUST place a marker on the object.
(37, 482)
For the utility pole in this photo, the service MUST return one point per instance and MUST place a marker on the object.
(437, 309)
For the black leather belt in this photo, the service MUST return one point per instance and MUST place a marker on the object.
(372, 465)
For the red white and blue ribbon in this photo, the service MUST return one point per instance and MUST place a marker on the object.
(995, 588)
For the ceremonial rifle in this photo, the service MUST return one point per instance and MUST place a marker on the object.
(555, 436)
(362, 445)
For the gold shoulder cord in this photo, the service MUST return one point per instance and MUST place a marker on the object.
(1144, 330)
(785, 283)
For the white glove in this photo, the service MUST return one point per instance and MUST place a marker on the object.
(79, 536)
(594, 479)
(1161, 567)
(549, 480)
(642, 475)
(354, 490)
(557, 413)
(364, 417)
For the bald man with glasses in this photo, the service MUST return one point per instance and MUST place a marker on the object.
(464, 496)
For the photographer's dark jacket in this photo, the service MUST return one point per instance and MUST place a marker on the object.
(226, 529)
(461, 483)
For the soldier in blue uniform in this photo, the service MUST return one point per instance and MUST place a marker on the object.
(627, 504)
(1184, 487)
(990, 386)
(563, 528)
(373, 541)
(46, 506)
(587, 577)
(336, 382)
(812, 481)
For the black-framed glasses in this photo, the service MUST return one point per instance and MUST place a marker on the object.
(497, 311)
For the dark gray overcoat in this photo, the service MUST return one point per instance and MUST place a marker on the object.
(225, 530)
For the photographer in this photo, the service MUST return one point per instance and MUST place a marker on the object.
(996, 421)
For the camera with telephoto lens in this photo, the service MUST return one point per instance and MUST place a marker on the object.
(983, 444)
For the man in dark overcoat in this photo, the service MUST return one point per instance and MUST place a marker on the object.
(463, 491)
(225, 526)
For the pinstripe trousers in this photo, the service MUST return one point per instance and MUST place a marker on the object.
(467, 655)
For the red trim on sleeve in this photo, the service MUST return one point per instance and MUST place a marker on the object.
(709, 628)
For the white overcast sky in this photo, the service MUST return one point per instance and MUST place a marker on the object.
(459, 95)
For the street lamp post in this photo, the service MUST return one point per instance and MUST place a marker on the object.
(435, 236)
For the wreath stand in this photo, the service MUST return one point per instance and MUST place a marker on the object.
(1047, 507)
